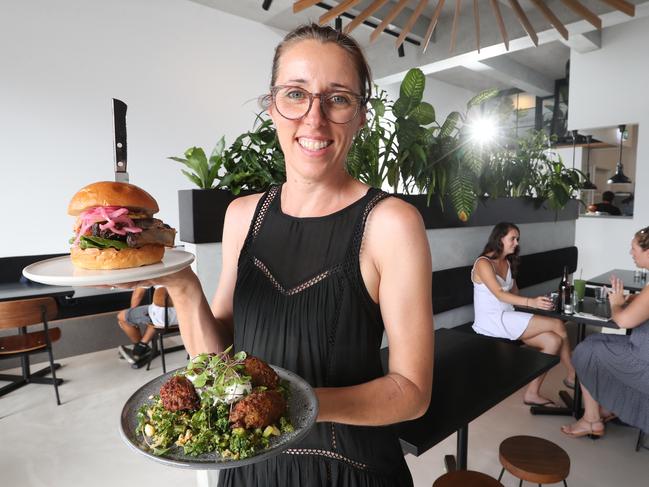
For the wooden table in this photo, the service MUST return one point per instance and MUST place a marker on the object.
(628, 278)
(472, 373)
(589, 312)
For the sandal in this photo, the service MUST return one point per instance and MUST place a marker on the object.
(592, 433)
(609, 417)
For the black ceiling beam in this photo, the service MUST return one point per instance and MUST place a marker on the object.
(369, 23)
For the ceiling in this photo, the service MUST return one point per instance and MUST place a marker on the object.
(524, 66)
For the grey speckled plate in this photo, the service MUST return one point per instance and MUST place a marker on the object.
(302, 407)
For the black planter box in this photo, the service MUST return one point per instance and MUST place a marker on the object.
(490, 211)
(202, 212)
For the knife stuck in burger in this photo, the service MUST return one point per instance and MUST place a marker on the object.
(115, 228)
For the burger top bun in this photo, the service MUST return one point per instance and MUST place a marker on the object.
(109, 193)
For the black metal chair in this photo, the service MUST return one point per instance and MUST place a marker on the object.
(20, 314)
(161, 297)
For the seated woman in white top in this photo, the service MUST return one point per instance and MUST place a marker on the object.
(494, 295)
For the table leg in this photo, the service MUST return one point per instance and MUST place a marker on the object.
(462, 446)
(461, 449)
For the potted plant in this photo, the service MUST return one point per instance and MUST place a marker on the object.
(251, 164)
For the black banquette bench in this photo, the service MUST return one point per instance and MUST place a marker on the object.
(452, 288)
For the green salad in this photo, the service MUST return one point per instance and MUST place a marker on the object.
(220, 382)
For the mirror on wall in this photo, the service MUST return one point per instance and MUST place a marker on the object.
(607, 155)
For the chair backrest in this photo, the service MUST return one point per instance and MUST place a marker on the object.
(25, 312)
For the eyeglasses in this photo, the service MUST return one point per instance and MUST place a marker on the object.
(294, 103)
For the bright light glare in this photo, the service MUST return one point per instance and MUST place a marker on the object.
(483, 130)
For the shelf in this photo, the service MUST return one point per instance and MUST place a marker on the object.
(594, 145)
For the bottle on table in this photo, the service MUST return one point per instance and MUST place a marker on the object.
(565, 293)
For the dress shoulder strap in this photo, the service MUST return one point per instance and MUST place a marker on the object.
(475, 263)
(374, 196)
(260, 214)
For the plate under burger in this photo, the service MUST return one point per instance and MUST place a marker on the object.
(302, 412)
(60, 271)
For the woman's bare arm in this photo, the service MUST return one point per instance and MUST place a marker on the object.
(635, 312)
(396, 243)
(204, 328)
(486, 274)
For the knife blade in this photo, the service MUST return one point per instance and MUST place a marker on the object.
(119, 126)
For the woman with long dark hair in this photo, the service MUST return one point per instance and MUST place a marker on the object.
(494, 295)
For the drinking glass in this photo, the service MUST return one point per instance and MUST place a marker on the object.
(580, 288)
(601, 293)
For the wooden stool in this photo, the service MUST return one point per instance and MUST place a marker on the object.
(466, 478)
(534, 459)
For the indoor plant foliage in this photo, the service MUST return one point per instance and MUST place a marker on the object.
(531, 169)
(403, 146)
(253, 162)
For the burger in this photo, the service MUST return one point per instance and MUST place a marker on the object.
(115, 228)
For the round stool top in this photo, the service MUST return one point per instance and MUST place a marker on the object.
(534, 459)
(466, 478)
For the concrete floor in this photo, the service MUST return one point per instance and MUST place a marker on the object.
(78, 443)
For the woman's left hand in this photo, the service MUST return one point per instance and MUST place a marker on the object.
(616, 295)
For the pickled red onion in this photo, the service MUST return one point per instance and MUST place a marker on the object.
(112, 215)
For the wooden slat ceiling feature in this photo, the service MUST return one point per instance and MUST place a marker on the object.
(476, 19)
(411, 21)
(553, 19)
(389, 18)
(622, 5)
(337, 10)
(303, 4)
(501, 22)
(456, 20)
(373, 7)
(375, 13)
(525, 22)
(584, 12)
(433, 23)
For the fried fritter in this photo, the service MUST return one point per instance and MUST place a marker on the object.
(258, 410)
(178, 394)
(261, 374)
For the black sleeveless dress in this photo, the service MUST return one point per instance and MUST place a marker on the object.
(300, 303)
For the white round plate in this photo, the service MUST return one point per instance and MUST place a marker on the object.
(60, 271)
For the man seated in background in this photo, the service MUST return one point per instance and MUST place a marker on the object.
(152, 316)
(607, 206)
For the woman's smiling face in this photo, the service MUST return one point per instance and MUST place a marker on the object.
(314, 146)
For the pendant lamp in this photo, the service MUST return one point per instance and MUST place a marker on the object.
(619, 177)
(588, 184)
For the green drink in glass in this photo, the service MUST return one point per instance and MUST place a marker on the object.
(580, 288)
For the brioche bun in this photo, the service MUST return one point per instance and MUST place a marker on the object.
(110, 193)
(116, 259)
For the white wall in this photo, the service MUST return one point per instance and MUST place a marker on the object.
(188, 73)
(608, 87)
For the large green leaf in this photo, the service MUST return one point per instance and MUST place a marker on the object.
(410, 93)
(482, 97)
(407, 133)
(423, 114)
(462, 195)
(450, 124)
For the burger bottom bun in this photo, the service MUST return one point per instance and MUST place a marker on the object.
(116, 259)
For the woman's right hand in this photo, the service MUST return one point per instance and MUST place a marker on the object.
(541, 302)
(177, 280)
